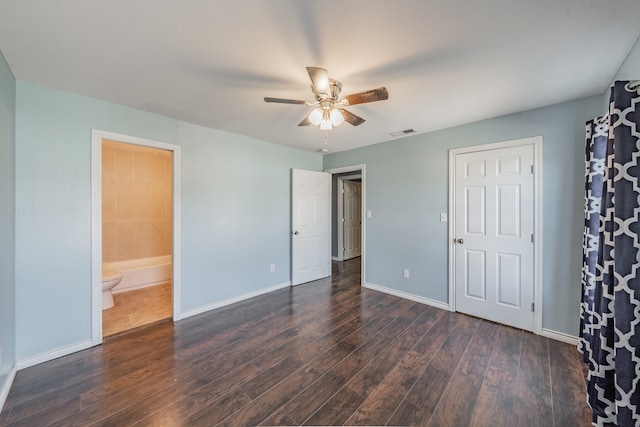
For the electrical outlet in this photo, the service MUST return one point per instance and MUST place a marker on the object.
(273, 268)
(405, 273)
(443, 217)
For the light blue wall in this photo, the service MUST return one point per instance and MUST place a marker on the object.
(7, 218)
(407, 187)
(235, 211)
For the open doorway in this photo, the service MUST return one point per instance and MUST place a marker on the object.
(347, 236)
(136, 236)
(348, 224)
(135, 233)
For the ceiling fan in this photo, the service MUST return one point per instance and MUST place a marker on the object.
(330, 111)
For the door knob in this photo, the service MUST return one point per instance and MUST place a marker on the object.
(460, 241)
(295, 232)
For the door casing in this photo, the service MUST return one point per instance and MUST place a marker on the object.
(96, 223)
(536, 142)
(358, 169)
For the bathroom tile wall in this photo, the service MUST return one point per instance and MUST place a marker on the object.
(136, 201)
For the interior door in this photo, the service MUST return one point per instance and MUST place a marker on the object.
(352, 206)
(494, 213)
(310, 219)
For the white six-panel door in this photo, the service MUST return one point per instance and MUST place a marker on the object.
(494, 223)
(310, 216)
(352, 200)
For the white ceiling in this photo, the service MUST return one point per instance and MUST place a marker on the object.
(211, 62)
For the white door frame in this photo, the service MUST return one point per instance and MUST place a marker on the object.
(96, 223)
(362, 169)
(536, 142)
(340, 208)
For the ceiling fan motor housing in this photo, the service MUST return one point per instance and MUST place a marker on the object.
(335, 87)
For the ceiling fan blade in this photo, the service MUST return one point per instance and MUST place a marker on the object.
(351, 118)
(379, 94)
(305, 122)
(284, 101)
(319, 81)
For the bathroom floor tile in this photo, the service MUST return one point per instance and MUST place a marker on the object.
(137, 308)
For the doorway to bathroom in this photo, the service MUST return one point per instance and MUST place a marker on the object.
(135, 233)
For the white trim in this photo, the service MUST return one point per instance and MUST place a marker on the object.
(537, 232)
(340, 218)
(4, 391)
(452, 230)
(96, 237)
(50, 355)
(177, 232)
(335, 258)
(363, 171)
(405, 295)
(209, 307)
(560, 336)
(96, 222)
(536, 142)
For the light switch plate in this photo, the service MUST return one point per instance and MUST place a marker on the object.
(443, 217)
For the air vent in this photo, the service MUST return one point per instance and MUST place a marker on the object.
(402, 132)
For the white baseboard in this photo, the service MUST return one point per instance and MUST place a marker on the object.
(205, 308)
(335, 258)
(405, 295)
(560, 336)
(54, 354)
(4, 390)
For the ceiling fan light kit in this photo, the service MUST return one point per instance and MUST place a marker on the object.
(326, 117)
(330, 111)
(315, 117)
(336, 117)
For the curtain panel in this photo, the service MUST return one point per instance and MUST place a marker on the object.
(610, 307)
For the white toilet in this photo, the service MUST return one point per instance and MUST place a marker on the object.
(109, 280)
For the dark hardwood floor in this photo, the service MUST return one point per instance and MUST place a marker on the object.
(326, 353)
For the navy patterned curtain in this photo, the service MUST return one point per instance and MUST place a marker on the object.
(610, 307)
(597, 132)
